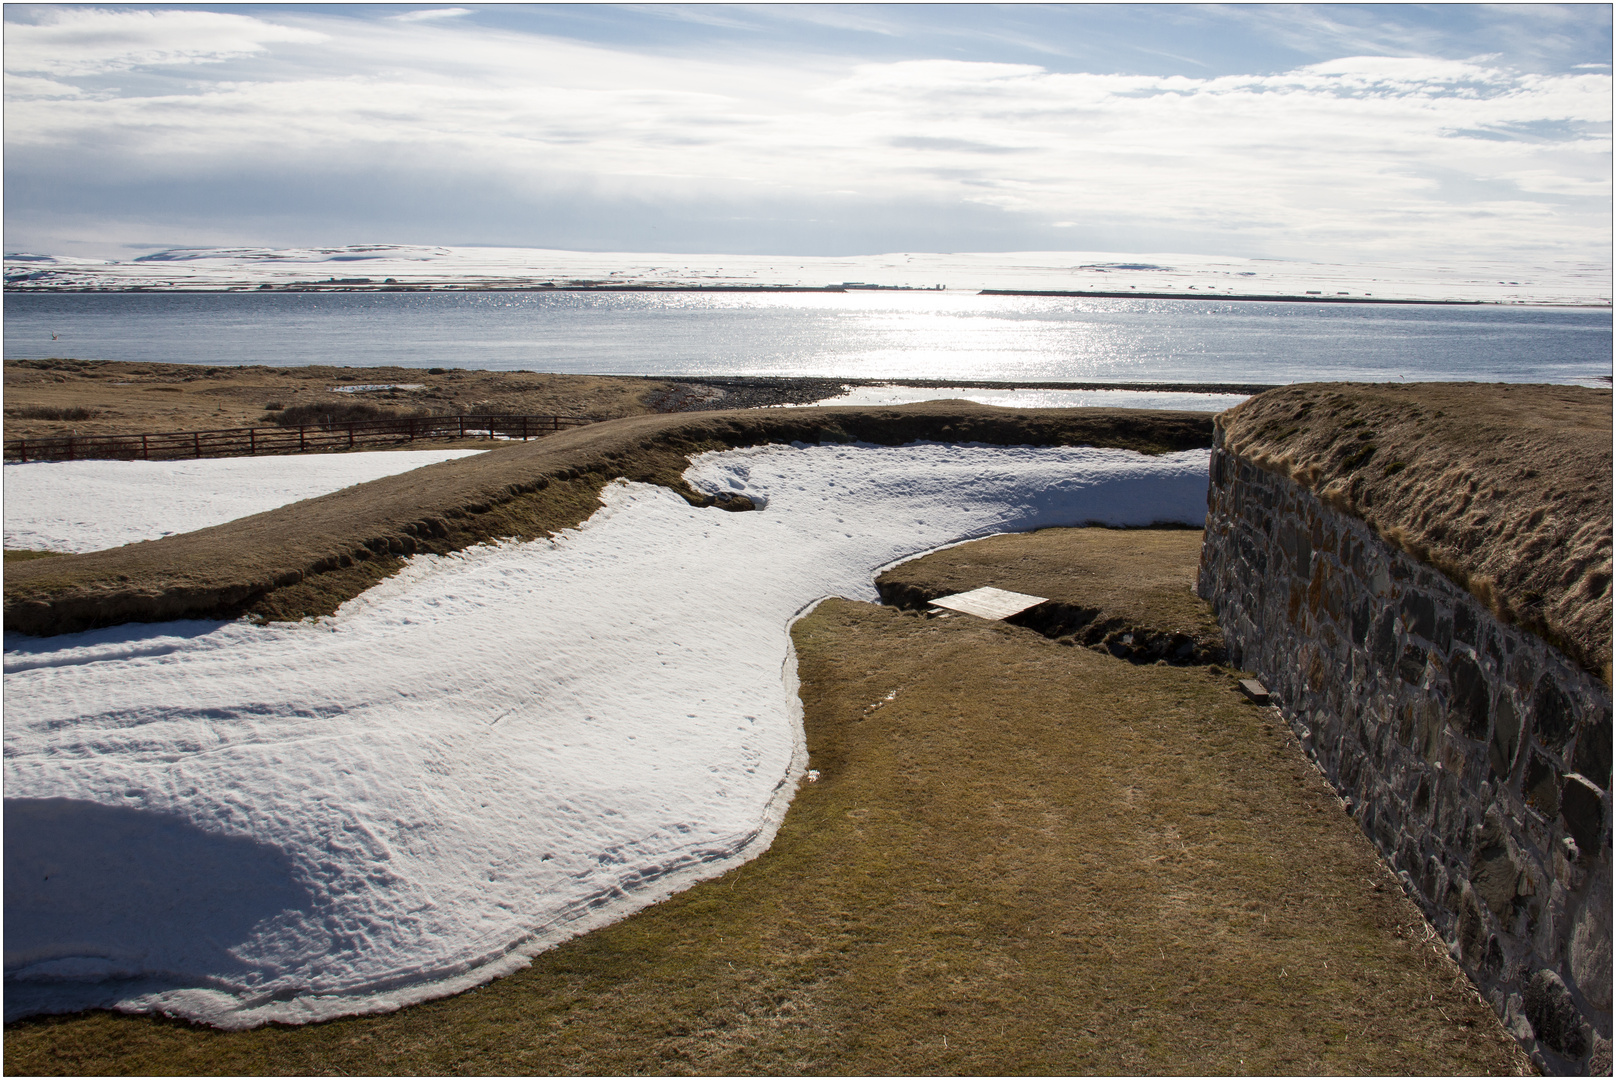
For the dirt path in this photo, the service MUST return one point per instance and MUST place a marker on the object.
(1019, 856)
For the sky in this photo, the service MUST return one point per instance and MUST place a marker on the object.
(1352, 133)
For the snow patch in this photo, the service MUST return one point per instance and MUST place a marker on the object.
(365, 388)
(78, 506)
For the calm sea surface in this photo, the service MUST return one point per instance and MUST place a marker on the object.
(864, 335)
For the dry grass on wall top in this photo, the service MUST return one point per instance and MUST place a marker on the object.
(1504, 488)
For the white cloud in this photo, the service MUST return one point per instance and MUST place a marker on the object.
(87, 41)
(1356, 154)
(29, 86)
(432, 13)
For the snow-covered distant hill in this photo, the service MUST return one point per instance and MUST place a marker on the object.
(387, 266)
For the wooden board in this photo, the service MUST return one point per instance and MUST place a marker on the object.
(989, 603)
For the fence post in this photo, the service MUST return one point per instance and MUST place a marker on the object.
(462, 419)
(350, 434)
(252, 442)
(145, 450)
(70, 448)
(23, 447)
(302, 443)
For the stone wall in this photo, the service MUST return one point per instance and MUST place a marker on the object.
(1475, 756)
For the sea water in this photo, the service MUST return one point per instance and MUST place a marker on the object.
(857, 334)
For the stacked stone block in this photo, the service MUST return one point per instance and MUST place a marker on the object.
(1474, 755)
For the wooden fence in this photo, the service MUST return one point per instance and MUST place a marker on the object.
(315, 438)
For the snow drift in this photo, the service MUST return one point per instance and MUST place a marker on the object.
(78, 506)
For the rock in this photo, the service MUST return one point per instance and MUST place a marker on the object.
(1411, 667)
(1464, 623)
(1494, 873)
(1541, 786)
(1361, 622)
(1472, 940)
(1551, 715)
(1419, 615)
(1554, 1015)
(1581, 810)
(1515, 1021)
(1590, 944)
(1593, 751)
(1599, 1060)
(1469, 700)
(1385, 647)
(1506, 739)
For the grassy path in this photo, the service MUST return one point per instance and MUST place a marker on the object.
(1019, 856)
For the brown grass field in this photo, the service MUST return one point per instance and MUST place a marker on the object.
(1021, 856)
(55, 397)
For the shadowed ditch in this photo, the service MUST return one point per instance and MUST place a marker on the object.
(1119, 591)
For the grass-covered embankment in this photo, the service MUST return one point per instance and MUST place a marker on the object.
(1504, 488)
(1018, 857)
(307, 558)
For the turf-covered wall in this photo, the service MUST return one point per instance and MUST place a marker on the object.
(1475, 756)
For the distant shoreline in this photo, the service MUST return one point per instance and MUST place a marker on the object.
(345, 287)
(1276, 298)
(976, 384)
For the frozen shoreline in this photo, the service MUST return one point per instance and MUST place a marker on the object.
(395, 267)
(492, 751)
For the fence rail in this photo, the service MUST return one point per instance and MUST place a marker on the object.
(314, 438)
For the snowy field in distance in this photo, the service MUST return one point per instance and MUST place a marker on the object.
(1031, 397)
(78, 506)
(373, 266)
(480, 757)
